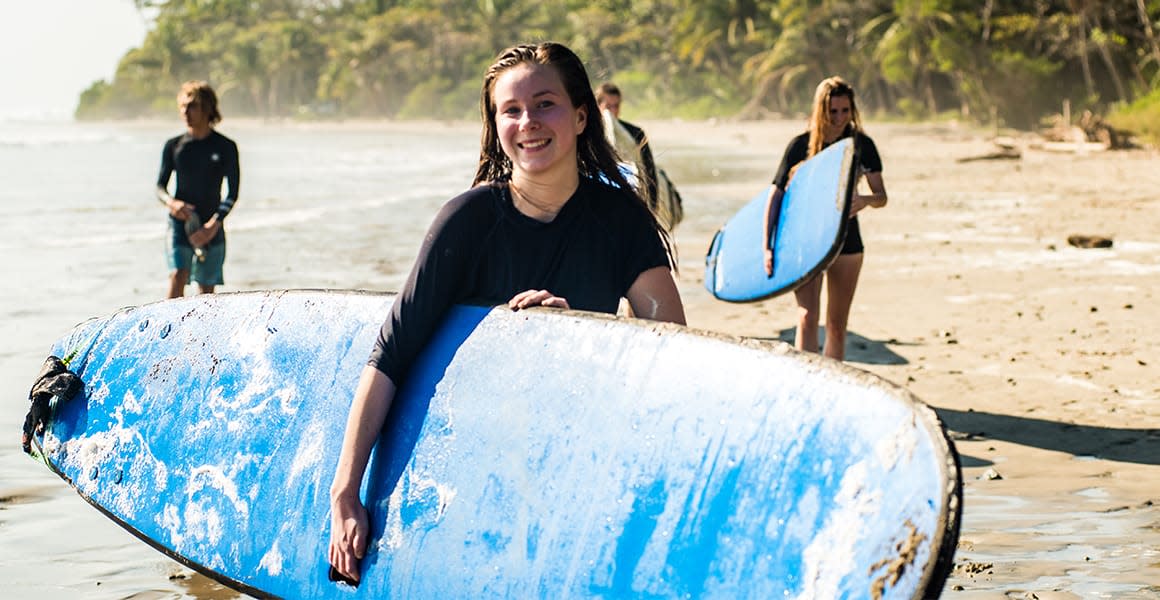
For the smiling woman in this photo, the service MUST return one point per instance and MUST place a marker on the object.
(550, 221)
(64, 46)
(537, 127)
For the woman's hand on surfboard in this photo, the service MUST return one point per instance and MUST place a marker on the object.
(857, 203)
(768, 262)
(348, 535)
(531, 298)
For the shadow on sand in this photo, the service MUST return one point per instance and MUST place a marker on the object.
(858, 349)
(1140, 446)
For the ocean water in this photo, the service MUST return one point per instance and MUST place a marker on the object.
(88, 187)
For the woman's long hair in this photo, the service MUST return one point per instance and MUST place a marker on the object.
(820, 117)
(594, 156)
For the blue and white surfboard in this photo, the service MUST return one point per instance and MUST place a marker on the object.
(531, 454)
(811, 227)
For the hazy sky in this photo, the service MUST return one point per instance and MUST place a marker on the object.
(52, 50)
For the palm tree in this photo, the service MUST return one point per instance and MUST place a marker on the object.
(805, 44)
(913, 41)
(1149, 35)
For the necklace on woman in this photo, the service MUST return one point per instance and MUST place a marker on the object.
(539, 211)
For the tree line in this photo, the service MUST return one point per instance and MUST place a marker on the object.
(1003, 62)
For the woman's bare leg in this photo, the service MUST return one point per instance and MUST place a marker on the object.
(809, 299)
(841, 281)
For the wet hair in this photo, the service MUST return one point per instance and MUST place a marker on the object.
(820, 118)
(595, 157)
(203, 94)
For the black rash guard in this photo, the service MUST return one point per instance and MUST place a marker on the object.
(201, 165)
(868, 160)
(481, 250)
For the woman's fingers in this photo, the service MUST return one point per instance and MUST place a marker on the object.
(530, 298)
(555, 302)
(347, 538)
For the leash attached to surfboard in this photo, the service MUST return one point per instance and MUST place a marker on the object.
(193, 224)
(54, 384)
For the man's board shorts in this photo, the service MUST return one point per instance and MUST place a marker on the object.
(205, 269)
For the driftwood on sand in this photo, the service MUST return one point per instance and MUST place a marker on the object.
(1006, 149)
(1090, 133)
(1089, 241)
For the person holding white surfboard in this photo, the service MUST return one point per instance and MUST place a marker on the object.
(202, 158)
(550, 221)
(635, 148)
(631, 143)
(835, 116)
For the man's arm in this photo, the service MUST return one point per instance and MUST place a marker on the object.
(162, 188)
(233, 182)
(177, 209)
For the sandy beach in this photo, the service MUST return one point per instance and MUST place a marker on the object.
(1040, 357)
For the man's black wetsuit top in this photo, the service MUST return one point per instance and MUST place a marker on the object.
(646, 157)
(201, 165)
(481, 250)
(868, 160)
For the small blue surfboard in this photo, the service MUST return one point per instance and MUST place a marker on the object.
(531, 454)
(811, 227)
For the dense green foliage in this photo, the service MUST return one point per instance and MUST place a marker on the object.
(1004, 62)
(1142, 118)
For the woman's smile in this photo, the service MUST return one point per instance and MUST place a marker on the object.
(533, 145)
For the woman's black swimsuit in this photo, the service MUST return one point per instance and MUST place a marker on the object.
(868, 160)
